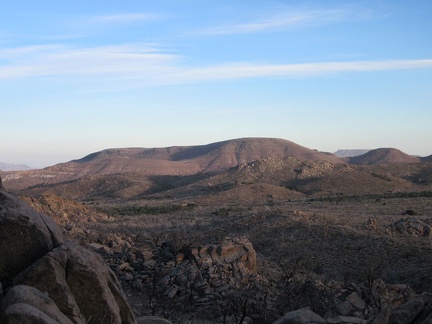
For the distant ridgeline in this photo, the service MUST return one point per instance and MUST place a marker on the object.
(350, 153)
(13, 167)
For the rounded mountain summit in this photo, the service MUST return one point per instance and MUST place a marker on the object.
(187, 160)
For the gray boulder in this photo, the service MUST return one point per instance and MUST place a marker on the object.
(25, 235)
(300, 316)
(406, 313)
(24, 304)
(82, 285)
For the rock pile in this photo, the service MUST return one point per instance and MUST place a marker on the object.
(211, 271)
(202, 273)
(413, 226)
(47, 280)
(186, 278)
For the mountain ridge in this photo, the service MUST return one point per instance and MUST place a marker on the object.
(132, 172)
(383, 156)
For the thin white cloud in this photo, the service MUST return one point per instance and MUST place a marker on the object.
(146, 65)
(300, 70)
(119, 61)
(124, 18)
(287, 20)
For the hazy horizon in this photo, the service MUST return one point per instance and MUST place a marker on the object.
(77, 78)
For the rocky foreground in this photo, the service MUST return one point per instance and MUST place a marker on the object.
(47, 277)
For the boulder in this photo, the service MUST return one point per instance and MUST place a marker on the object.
(300, 316)
(78, 285)
(406, 313)
(25, 235)
(24, 304)
(356, 301)
(83, 286)
(49, 274)
(344, 308)
(425, 316)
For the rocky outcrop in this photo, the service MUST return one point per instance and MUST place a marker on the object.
(413, 226)
(25, 235)
(66, 274)
(204, 274)
(51, 281)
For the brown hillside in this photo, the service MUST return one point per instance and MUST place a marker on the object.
(290, 178)
(182, 160)
(383, 156)
(170, 161)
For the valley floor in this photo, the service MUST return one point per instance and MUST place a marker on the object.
(349, 240)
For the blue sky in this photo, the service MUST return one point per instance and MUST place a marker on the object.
(81, 76)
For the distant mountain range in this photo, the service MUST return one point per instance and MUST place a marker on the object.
(13, 167)
(130, 171)
(350, 153)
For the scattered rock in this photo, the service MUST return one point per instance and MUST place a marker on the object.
(344, 308)
(356, 301)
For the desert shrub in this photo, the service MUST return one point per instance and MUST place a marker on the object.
(146, 210)
(381, 176)
(221, 212)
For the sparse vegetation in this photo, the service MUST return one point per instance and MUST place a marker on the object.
(145, 210)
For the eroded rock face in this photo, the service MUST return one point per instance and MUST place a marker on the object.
(25, 235)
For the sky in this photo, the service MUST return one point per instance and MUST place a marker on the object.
(78, 77)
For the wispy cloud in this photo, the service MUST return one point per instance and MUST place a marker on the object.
(120, 61)
(146, 65)
(124, 18)
(288, 20)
